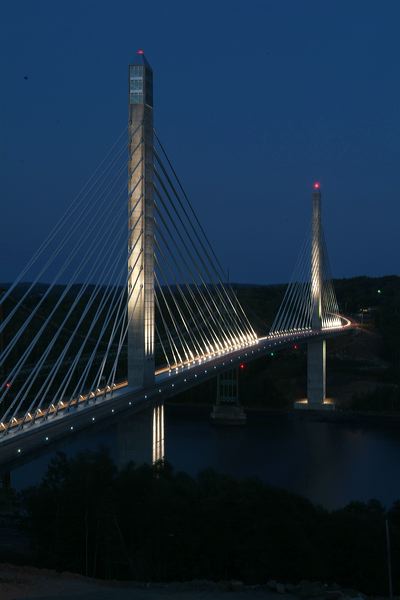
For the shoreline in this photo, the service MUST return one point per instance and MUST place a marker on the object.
(338, 415)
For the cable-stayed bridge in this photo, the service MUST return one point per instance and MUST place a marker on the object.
(131, 315)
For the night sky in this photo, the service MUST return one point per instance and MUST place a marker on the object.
(254, 101)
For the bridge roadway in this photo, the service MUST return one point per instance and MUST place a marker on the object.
(20, 444)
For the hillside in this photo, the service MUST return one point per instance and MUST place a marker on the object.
(363, 367)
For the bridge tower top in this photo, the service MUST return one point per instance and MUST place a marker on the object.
(140, 81)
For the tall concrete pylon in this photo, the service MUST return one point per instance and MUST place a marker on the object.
(316, 349)
(140, 213)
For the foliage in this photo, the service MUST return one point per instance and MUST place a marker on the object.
(151, 523)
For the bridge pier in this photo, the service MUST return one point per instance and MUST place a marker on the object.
(316, 373)
(316, 378)
(227, 409)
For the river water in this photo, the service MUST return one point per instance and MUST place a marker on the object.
(329, 462)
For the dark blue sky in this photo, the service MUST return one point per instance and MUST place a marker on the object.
(254, 101)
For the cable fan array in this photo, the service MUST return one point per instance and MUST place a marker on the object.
(197, 314)
(63, 334)
(296, 310)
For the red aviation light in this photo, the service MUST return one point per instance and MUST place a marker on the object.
(242, 366)
(317, 185)
(140, 51)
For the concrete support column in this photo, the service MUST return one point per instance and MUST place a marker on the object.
(141, 213)
(316, 373)
(227, 409)
(228, 388)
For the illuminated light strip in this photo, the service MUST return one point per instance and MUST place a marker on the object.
(17, 421)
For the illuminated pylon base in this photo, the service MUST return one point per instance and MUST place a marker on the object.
(227, 409)
(304, 404)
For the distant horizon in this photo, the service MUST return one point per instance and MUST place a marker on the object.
(232, 283)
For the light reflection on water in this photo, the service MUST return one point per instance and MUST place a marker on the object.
(331, 463)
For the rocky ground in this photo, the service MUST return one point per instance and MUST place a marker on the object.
(29, 583)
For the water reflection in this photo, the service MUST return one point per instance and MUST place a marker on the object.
(140, 439)
(331, 463)
(158, 433)
(137, 438)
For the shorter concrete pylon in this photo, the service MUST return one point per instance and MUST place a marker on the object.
(316, 348)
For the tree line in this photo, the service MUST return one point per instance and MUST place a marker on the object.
(150, 523)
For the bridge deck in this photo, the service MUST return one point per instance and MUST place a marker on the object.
(27, 435)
